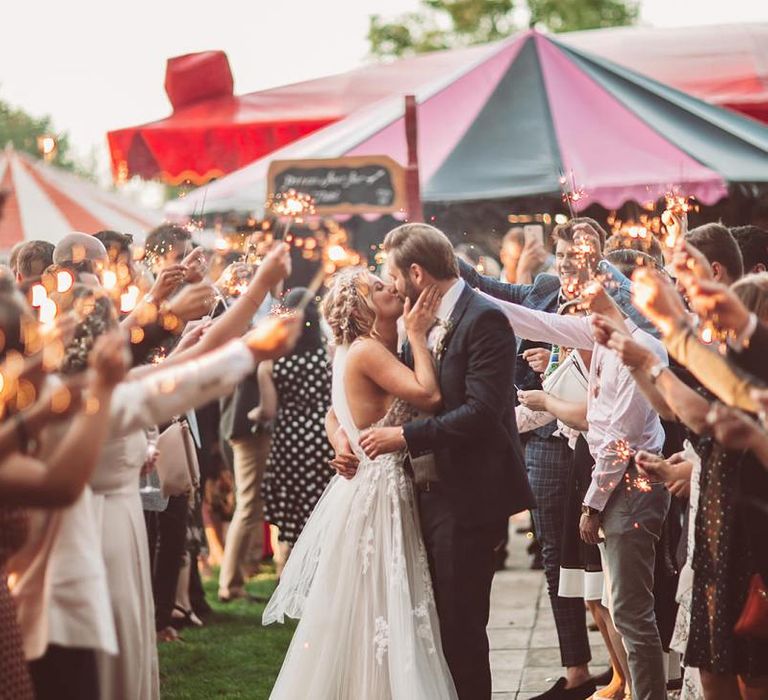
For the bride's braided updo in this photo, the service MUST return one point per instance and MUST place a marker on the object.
(347, 307)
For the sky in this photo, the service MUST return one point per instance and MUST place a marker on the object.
(95, 65)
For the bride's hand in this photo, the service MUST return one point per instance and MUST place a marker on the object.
(345, 462)
(419, 319)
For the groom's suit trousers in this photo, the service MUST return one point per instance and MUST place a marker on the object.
(462, 564)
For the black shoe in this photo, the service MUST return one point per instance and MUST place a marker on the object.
(604, 678)
(559, 692)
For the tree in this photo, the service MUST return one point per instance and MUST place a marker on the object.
(22, 129)
(443, 24)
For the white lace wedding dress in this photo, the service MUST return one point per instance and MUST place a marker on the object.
(358, 580)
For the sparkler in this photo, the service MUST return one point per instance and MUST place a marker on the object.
(675, 214)
(293, 205)
(572, 196)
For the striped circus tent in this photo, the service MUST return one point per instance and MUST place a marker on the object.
(513, 117)
(44, 202)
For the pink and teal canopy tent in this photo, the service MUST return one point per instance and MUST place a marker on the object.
(510, 120)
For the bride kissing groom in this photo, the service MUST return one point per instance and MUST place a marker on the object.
(392, 574)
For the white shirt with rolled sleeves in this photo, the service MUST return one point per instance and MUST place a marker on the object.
(617, 412)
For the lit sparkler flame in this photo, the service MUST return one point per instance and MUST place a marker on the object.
(64, 281)
(39, 295)
(109, 279)
(622, 451)
(293, 204)
(676, 208)
(47, 312)
(129, 299)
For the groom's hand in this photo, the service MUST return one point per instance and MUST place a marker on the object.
(381, 441)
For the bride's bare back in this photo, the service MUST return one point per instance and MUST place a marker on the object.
(368, 402)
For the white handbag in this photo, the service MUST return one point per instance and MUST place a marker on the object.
(570, 381)
(177, 464)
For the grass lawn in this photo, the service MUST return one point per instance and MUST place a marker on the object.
(233, 656)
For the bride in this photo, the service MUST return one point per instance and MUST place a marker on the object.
(358, 576)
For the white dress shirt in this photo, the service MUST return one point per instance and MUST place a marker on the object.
(618, 414)
(444, 311)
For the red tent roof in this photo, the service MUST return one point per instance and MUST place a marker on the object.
(45, 202)
(213, 132)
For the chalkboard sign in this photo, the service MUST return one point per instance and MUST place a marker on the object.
(352, 185)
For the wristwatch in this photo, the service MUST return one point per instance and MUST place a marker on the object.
(656, 371)
(589, 510)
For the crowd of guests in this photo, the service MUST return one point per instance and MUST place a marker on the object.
(642, 410)
(642, 405)
(117, 425)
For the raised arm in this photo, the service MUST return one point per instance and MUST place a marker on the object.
(170, 391)
(514, 293)
(488, 386)
(58, 481)
(237, 318)
(730, 384)
(419, 387)
(531, 324)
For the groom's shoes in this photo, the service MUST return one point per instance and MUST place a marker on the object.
(559, 692)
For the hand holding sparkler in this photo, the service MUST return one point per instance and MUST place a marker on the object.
(274, 336)
(716, 303)
(195, 266)
(657, 299)
(168, 279)
(275, 267)
(192, 302)
(689, 264)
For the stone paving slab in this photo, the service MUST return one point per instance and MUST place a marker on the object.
(525, 658)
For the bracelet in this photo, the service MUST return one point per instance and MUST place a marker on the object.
(655, 372)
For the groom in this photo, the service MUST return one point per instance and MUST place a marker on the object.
(475, 478)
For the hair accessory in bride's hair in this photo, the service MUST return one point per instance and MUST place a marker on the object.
(347, 306)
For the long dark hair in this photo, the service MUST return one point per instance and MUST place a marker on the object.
(311, 335)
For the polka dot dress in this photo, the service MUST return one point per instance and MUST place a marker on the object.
(729, 548)
(15, 683)
(297, 469)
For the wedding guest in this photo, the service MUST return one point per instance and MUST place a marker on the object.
(34, 257)
(720, 249)
(194, 378)
(55, 481)
(620, 420)
(647, 245)
(296, 394)
(726, 555)
(753, 243)
(511, 249)
(545, 453)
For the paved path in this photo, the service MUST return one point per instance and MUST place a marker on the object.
(525, 659)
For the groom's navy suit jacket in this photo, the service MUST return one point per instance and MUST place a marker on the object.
(474, 438)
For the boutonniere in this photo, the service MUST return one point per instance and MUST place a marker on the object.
(443, 333)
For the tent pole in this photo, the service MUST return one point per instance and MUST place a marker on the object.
(412, 187)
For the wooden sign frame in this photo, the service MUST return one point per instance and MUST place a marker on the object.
(395, 170)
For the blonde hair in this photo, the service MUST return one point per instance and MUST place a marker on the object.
(752, 291)
(348, 307)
